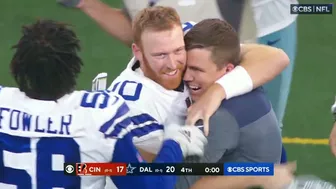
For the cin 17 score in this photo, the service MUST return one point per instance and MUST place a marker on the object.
(106, 169)
(120, 169)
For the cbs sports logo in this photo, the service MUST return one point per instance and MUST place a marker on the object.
(69, 169)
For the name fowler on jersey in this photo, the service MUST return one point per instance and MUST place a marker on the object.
(19, 120)
(38, 137)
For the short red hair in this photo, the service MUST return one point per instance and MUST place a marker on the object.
(157, 18)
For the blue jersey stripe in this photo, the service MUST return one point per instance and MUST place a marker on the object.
(137, 131)
(122, 110)
(145, 130)
(146, 124)
(142, 118)
(119, 127)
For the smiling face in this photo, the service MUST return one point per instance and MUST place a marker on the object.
(212, 50)
(162, 56)
(202, 72)
(159, 45)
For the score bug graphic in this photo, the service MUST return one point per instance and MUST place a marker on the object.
(134, 169)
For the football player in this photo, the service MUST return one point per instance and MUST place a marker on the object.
(45, 122)
(244, 128)
(151, 83)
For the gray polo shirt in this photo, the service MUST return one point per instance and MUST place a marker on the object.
(243, 129)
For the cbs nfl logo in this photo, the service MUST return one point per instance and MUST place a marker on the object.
(69, 169)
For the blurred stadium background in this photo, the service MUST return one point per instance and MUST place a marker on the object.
(308, 120)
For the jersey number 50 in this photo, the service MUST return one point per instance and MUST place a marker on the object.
(129, 90)
(21, 166)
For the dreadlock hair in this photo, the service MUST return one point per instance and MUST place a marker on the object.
(46, 64)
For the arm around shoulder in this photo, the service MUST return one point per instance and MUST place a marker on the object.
(259, 65)
(263, 63)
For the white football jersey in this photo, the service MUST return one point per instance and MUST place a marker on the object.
(272, 15)
(37, 137)
(152, 107)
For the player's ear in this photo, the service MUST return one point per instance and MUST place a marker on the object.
(229, 67)
(137, 51)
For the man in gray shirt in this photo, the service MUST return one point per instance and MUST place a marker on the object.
(244, 128)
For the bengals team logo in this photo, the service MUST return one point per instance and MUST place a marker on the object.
(81, 168)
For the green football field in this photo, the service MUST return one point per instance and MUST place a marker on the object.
(308, 120)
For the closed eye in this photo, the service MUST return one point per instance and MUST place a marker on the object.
(179, 50)
(160, 55)
(193, 68)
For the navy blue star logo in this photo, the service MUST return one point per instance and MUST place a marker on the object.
(130, 169)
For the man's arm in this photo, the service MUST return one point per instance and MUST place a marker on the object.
(263, 63)
(112, 20)
(259, 65)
